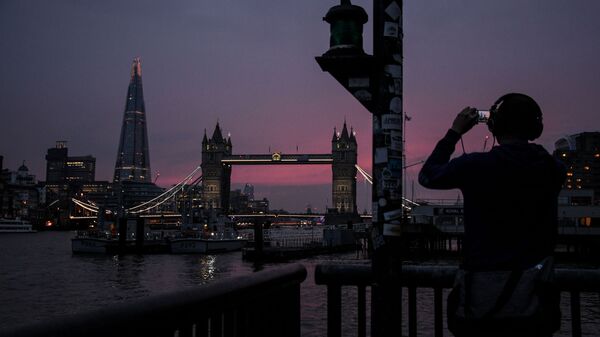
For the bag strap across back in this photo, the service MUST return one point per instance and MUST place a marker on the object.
(507, 291)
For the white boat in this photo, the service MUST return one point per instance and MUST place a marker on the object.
(217, 236)
(89, 245)
(205, 246)
(92, 242)
(15, 226)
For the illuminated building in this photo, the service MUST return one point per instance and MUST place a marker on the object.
(81, 169)
(66, 178)
(259, 206)
(249, 191)
(581, 155)
(62, 169)
(132, 177)
(20, 194)
(242, 201)
(238, 202)
(133, 159)
(56, 159)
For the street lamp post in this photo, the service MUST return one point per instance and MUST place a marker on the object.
(376, 81)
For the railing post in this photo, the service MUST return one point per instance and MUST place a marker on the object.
(216, 325)
(231, 323)
(202, 327)
(122, 234)
(362, 313)
(334, 310)
(258, 239)
(386, 299)
(139, 234)
(292, 323)
(575, 314)
(412, 311)
(186, 330)
(438, 312)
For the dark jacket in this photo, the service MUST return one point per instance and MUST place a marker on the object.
(510, 200)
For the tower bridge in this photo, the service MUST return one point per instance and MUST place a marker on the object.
(278, 158)
(218, 160)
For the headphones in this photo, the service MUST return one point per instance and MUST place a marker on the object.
(516, 108)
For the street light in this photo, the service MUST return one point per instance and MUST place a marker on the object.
(376, 82)
(346, 60)
(346, 22)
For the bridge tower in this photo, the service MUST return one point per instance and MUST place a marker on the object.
(216, 176)
(344, 154)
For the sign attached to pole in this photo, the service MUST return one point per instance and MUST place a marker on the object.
(392, 229)
(391, 122)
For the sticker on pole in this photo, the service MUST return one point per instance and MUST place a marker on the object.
(392, 230)
(394, 70)
(377, 239)
(396, 140)
(391, 122)
(363, 95)
(396, 104)
(381, 155)
(358, 82)
(390, 29)
(391, 215)
(394, 10)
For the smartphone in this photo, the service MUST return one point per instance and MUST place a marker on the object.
(483, 116)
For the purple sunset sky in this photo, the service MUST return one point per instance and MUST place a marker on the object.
(64, 71)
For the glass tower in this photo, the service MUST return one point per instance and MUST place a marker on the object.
(133, 160)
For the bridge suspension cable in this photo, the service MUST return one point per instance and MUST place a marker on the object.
(167, 195)
(150, 204)
(369, 178)
(85, 205)
(175, 188)
(365, 174)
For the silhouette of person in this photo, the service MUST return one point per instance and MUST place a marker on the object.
(510, 193)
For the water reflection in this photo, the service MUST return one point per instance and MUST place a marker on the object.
(41, 278)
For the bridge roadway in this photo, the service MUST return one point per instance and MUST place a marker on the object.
(249, 215)
(278, 159)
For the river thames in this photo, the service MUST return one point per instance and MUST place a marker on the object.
(40, 278)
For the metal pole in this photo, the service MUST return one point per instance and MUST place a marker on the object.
(387, 165)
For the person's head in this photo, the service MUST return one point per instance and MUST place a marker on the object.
(515, 116)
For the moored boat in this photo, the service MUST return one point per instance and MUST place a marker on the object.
(217, 236)
(15, 226)
(89, 245)
(92, 242)
(205, 246)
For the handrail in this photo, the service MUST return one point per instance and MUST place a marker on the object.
(245, 305)
(438, 277)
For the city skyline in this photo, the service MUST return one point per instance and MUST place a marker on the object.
(65, 67)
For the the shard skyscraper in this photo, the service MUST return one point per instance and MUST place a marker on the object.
(133, 159)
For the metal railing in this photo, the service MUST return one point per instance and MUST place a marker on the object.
(265, 303)
(573, 281)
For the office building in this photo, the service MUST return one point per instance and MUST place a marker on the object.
(133, 159)
(581, 155)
